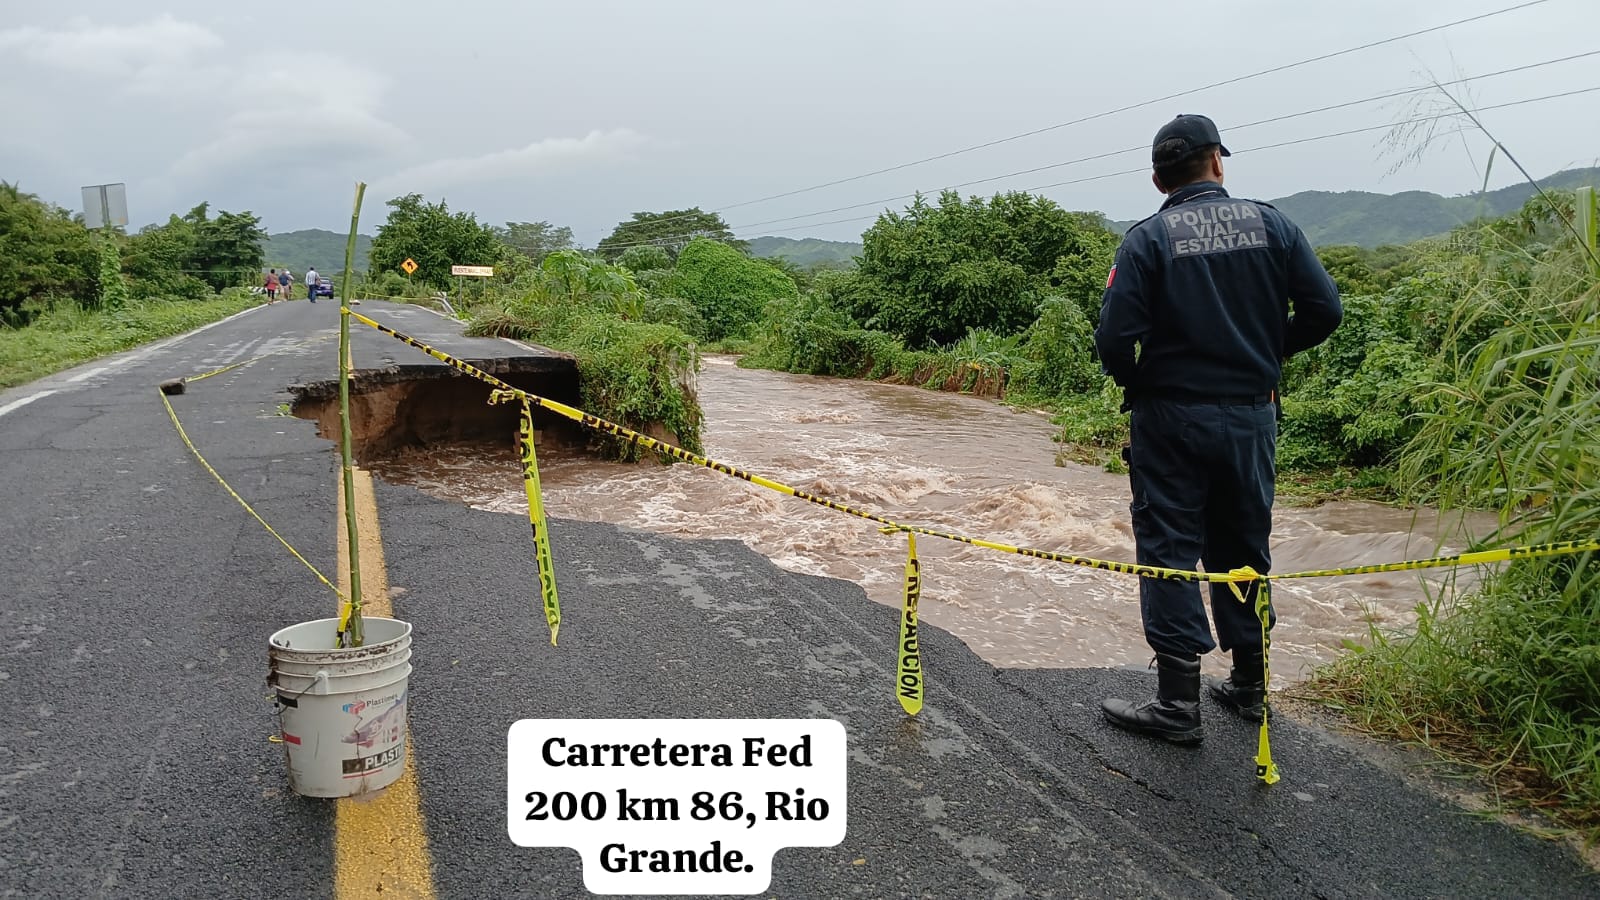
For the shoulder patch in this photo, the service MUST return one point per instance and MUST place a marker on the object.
(1112, 275)
(1216, 226)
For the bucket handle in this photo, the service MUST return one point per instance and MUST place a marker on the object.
(321, 678)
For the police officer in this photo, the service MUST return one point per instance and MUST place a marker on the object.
(1206, 300)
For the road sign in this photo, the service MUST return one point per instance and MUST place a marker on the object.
(410, 265)
(474, 271)
(105, 204)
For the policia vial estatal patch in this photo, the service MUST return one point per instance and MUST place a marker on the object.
(1214, 227)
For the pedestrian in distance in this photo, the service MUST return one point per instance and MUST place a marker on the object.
(1195, 325)
(312, 280)
(286, 285)
(271, 286)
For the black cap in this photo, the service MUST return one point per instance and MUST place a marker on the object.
(1197, 133)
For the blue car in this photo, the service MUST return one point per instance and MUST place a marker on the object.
(324, 288)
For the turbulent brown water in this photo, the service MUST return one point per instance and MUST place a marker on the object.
(955, 463)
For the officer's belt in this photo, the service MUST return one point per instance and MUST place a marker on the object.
(1194, 397)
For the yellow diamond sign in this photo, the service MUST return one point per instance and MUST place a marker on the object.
(410, 265)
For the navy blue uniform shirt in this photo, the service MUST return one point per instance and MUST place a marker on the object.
(1204, 288)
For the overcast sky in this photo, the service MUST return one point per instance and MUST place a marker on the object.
(582, 113)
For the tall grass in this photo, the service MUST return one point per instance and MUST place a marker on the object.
(1508, 677)
(64, 334)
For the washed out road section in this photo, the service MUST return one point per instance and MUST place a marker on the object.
(134, 715)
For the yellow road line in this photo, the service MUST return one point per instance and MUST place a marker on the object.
(380, 848)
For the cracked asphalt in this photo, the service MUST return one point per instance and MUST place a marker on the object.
(134, 714)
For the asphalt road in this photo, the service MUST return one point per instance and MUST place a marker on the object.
(134, 716)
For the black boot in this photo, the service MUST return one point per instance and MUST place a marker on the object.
(1245, 691)
(1174, 713)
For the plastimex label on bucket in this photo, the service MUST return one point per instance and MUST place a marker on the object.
(377, 736)
(358, 707)
(372, 763)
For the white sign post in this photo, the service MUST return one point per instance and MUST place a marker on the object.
(105, 204)
(468, 272)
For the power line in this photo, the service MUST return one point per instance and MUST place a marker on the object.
(1231, 129)
(1121, 109)
(1126, 150)
(1280, 144)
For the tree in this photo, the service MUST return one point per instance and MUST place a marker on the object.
(647, 258)
(228, 249)
(44, 253)
(729, 289)
(671, 231)
(193, 255)
(802, 277)
(159, 260)
(933, 273)
(535, 240)
(434, 238)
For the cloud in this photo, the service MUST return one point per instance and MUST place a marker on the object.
(136, 53)
(229, 113)
(299, 110)
(538, 158)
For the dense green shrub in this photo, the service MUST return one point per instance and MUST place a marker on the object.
(636, 374)
(218, 253)
(677, 312)
(1057, 354)
(44, 254)
(113, 289)
(728, 288)
(645, 259)
(933, 273)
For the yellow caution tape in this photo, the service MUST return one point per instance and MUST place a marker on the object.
(536, 519)
(1476, 557)
(247, 508)
(1237, 575)
(227, 368)
(1266, 769)
(911, 697)
(910, 679)
(344, 601)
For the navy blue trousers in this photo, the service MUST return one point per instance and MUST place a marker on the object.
(1203, 477)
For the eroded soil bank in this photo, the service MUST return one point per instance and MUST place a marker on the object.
(401, 410)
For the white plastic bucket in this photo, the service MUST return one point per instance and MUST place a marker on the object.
(342, 712)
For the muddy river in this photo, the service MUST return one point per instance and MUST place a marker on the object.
(956, 463)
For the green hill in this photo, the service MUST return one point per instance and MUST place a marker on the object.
(299, 250)
(808, 252)
(1372, 220)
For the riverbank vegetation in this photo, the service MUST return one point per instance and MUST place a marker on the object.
(632, 369)
(69, 295)
(1504, 415)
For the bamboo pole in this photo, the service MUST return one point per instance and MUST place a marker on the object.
(353, 635)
